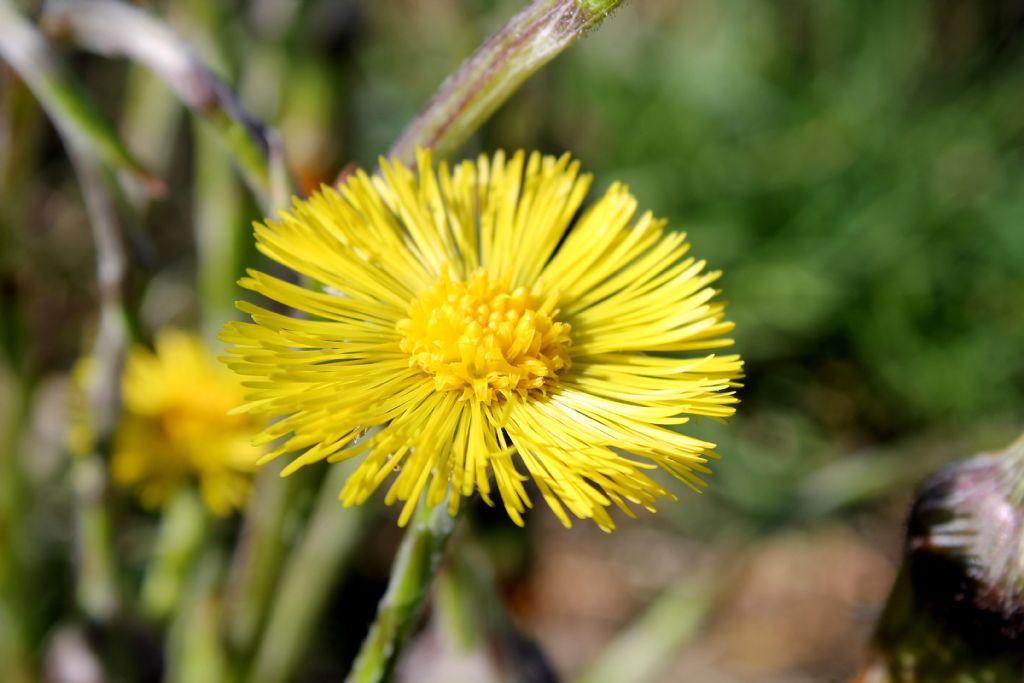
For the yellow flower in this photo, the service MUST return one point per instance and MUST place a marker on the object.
(469, 330)
(175, 428)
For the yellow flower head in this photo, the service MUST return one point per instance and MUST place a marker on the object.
(175, 428)
(470, 331)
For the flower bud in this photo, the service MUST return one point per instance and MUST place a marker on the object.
(965, 547)
(957, 609)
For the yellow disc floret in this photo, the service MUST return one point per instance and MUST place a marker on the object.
(484, 341)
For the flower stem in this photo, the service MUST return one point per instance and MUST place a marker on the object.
(220, 220)
(195, 651)
(529, 40)
(416, 564)
(471, 621)
(96, 583)
(640, 651)
(183, 528)
(92, 146)
(258, 556)
(16, 575)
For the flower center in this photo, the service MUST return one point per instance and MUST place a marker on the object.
(482, 340)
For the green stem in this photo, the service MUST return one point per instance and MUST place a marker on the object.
(90, 144)
(97, 579)
(472, 623)
(15, 648)
(468, 97)
(640, 652)
(416, 565)
(182, 531)
(221, 226)
(257, 560)
(150, 118)
(96, 583)
(314, 568)
(17, 579)
(194, 644)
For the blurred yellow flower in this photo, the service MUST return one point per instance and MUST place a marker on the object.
(175, 428)
(471, 330)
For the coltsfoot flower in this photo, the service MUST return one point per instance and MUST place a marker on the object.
(464, 328)
(175, 429)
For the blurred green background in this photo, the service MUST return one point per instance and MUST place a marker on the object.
(855, 168)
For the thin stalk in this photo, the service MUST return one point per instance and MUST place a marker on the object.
(92, 145)
(261, 550)
(221, 229)
(16, 578)
(149, 123)
(15, 648)
(96, 586)
(194, 647)
(472, 622)
(89, 144)
(97, 583)
(640, 651)
(220, 223)
(313, 570)
(416, 565)
(117, 29)
(183, 527)
(65, 102)
(531, 39)
(98, 592)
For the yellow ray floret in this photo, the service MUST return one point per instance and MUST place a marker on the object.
(468, 329)
(175, 430)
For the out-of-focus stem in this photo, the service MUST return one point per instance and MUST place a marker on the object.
(412, 574)
(469, 616)
(97, 584)
(112, 336)
(219, 217)
(15, 577)
(149, 122)
(194, 648)
(468, 97)
(114, 28)
(97, 587)
(257, 559)
(15, 648)
(182, 530)
(313, 569)
(88, 144)
(645, 646)
(65, 102)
